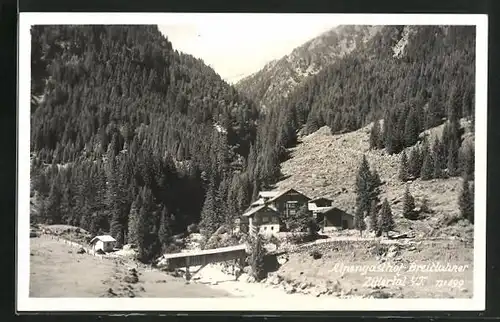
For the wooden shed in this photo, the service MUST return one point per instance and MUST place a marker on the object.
(333, 218)
(105, 243)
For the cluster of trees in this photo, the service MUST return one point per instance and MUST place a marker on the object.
(447, 157)
(129, 136)
(437, 162)
(367, 198)
(380, 217)
(302, 222)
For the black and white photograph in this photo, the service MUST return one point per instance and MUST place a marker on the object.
(251, 162)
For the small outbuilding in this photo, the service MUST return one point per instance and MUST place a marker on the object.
(105, 243)
(333, 218)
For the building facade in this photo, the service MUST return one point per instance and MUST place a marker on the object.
(268, 214)
(333, 218)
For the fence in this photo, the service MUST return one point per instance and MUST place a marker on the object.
(88, 250)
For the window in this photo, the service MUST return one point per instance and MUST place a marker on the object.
(291, 208)
(265, 219)
(272, 227)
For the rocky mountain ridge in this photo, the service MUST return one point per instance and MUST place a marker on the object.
(279, 77)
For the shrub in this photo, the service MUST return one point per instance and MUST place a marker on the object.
(316, 254)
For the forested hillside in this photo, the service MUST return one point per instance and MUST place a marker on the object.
(279, 78)
(127, 135)
(131, 137)
(413, 77)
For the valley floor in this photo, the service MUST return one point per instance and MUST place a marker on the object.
(57, 270)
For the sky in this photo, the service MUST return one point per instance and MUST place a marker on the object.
(236, 47)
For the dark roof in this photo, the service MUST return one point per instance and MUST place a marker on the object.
(284, 192)
(320, 198)
(328, 209)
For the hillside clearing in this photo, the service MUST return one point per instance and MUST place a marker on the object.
(325, 165)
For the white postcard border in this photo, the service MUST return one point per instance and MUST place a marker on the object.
(25, 303)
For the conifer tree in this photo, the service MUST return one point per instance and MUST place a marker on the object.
(375, 135)
(404, 172)
(221, 202)
(337, 123)
(467, 162)
(386, 222)
(436, 110)
(243, 197)
(53, 205)
(466, 202)
(143, 232)
(208, 214)
(438, 158)
(363, 181)
(427, 163)
(257, 258)
(391, 143)
(133, 222)
(453, 162)
(415, 162)
(408, 204)
(374, 187)
(374, 218)
(164, 231)
(359, 221)
(411, 129)
(116, 228)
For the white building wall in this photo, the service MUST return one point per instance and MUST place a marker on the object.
(104, 246)
(99, 245)
(269, 229)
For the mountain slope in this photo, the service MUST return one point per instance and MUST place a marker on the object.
(124, 129)
(278, 78)
(415, 77)
(325, 165)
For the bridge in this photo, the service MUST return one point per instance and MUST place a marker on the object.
(204, 257)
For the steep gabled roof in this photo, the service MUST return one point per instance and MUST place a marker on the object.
(252, 211)
(328, 209)
(284, 192)
(258, 202)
